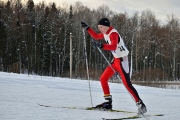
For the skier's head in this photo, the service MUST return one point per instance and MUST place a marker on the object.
(104, 22)
(103, 25)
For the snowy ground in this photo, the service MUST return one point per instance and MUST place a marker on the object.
(20, 95)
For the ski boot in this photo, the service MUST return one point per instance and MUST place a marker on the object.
(141, 107)
(106, 105)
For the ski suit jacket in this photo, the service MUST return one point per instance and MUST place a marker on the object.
(114, 40)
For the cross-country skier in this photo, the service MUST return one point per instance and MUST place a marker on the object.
(120, 63)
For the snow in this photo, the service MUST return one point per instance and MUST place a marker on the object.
(20, 95)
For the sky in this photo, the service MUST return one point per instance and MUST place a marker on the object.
(161, 8)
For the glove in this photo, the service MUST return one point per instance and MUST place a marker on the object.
(96, 44)
(84, 25)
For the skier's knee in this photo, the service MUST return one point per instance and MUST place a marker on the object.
(102, 79)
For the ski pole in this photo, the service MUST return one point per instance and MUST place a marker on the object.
(118, 77)
(109, 64)
(85, 52)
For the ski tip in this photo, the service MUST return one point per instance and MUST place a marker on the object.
(43, 105)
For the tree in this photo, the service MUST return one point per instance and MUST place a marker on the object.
(36, 37)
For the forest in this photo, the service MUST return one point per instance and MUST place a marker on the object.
(35, 39)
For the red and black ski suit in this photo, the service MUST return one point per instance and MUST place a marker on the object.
(120, 61)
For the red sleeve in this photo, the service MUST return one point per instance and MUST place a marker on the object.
(95, 35)
(114, 41)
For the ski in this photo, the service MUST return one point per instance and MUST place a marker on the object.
(123, 118)
(88, 108)
(59, 106)
(132, 117)
(107, 110)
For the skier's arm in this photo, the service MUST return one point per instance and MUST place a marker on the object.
(91, 31)
(94, 34)
(114, 41)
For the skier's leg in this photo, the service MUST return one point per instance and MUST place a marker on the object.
(105, 87)
(108, 72)
(122, 66)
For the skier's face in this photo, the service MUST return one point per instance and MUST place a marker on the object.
(103, 29)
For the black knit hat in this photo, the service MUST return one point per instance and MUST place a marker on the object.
(104, 21)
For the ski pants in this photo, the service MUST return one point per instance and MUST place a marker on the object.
(120, 65)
